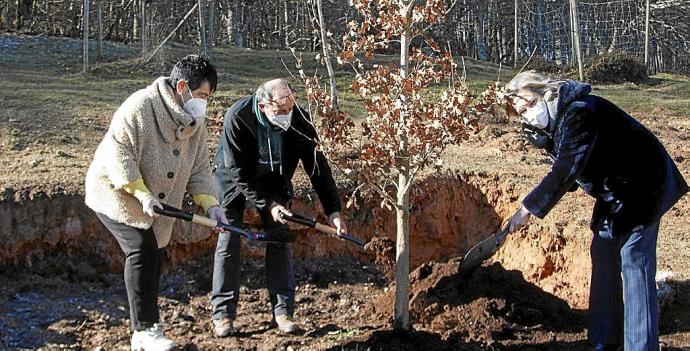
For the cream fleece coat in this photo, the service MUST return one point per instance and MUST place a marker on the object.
(150, 137)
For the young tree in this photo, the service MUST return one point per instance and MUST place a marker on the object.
(414, 110)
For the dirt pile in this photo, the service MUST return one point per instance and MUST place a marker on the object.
(485, 306)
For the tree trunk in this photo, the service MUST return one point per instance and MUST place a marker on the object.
(327, 56)
(19, 14)
(517, 39)
(481, 44)
(401, 319)
(144, 22)
(230, 22)
(239, 24)
(172, 33)
(646, 35)
(85, 26)
(135, 21)
(286, 25)
(202, 28)
(402, 255)
(99, 42)
(211, 28)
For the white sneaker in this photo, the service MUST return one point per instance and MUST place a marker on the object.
(151, 339)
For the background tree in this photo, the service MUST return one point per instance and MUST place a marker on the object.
(481, 29)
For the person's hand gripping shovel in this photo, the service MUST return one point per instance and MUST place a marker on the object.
(167, 210)
(488, 247)
(312, 223)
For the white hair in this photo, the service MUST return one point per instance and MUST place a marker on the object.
(535, 82)
(264, 92)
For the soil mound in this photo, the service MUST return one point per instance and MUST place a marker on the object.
(487, 305)
(393, 340)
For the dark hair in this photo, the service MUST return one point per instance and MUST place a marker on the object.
(195, 70)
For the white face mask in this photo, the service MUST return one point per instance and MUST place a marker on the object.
(282, 121)
(195, 107)
(537, 116)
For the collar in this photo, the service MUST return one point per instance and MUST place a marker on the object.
(174, 124)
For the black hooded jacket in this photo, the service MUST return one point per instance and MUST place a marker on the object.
(612, 157)
(235, 166)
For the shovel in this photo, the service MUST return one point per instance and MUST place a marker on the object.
(485, 249)
(312, 223)
(170, 211)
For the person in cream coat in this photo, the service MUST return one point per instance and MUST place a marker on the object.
(155, 150)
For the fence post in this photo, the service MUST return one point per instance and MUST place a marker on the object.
(576, 37)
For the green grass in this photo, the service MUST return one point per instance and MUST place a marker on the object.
(344, 334)
(44, 95)
(665, 93)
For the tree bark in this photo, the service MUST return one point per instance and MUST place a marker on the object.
(646, 35)
(211, 28)
(515, 33)
(85, 27)
(202, 28)
(172, 33)
(19, 14)
(143, 22)
(480, 44)
(327, 56)
(239, 24)
(99, 42)
(230, 21)
(401, 318)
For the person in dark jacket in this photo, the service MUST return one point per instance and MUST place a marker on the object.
(601, 149)
(264, 137)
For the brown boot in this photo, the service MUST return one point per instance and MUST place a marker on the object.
(222, 327)
(287, 324)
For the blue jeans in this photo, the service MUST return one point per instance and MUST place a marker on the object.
(280, 279)
(622, 300)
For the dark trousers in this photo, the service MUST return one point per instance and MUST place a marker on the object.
(142, 271)
(623, 300)
(226, 268)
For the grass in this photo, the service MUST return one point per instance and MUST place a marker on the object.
(344, 334)
(48, 105)
(664, 93)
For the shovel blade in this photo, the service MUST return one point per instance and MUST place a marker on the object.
(479, 253)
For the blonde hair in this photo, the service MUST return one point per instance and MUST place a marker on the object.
(543, 85)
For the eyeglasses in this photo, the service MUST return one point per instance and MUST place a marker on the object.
(514, 99)
(283, 100)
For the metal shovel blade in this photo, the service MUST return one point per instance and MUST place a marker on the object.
(482, 251)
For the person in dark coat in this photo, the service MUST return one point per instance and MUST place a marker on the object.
(602, 150)
(264, 137)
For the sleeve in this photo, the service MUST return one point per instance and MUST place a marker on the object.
(239, 159)
(122, 149)
(138, 189)
(572, 153)
(319, 172)
(200, 180)
(205, 201)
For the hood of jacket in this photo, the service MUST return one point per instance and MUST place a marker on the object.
(568, 92)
